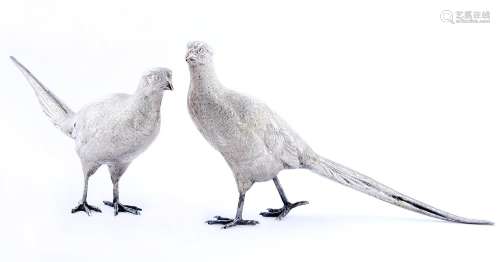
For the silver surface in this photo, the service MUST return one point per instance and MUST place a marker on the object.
(112, 131)
(257, 144)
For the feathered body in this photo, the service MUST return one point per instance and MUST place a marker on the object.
(255, 141)
(118, 128)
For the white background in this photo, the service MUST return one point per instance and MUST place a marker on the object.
(384, 87)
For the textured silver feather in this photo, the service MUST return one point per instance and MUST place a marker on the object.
(365, 184)
(58, 112)
(257, 144)
(112, 131)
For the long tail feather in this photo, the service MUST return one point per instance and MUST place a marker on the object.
(367, 185)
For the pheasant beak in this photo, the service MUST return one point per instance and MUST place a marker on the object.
(168, 86)
(189, 57)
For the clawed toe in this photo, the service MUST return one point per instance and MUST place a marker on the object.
(300, 203)
(228, 222)
(271, 212)
(282, 212)
(219, 220)
(120, 208)
(85, 208)
(238, 222)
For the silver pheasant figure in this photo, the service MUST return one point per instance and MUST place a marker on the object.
(111, 132)
(257, 144)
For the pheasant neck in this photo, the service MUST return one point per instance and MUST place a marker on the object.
(204, 73)
(148, 99)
